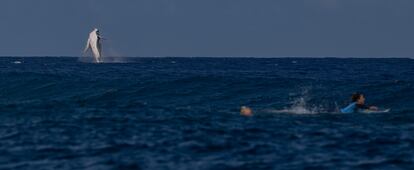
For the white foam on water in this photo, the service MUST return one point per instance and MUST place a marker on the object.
(116, 60)
(106, 60)
(299, 107)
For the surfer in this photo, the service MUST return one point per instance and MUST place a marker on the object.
(94, 43)
(358, 104)
(246, 111)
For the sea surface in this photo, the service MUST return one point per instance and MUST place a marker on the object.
(184, 113)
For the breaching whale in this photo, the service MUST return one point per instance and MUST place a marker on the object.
(94, 43)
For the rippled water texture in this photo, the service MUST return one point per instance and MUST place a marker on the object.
(183, 113)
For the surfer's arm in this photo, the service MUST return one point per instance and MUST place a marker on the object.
(365, 107)
(351, 108)
(362, 106)
(374, 108)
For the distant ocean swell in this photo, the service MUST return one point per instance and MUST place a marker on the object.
(102, 84)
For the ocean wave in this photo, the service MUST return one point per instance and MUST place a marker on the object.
(181, 113)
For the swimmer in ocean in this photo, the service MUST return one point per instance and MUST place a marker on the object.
(246, 111)
(358, 104)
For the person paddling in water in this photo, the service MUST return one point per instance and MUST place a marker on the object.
(358, 104)
(246, 111)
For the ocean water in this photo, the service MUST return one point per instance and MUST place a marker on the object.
(183, 113)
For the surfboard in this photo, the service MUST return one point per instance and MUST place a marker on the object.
(376, 111)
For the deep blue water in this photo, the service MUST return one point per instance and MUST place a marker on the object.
(183, 113)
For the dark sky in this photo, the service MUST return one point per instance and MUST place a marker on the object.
(262, 28)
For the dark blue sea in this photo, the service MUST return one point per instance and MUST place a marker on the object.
(184, 113)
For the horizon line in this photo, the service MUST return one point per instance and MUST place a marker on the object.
(361, 57)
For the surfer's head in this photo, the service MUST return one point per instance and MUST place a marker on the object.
(246, 111)
(358, 98)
